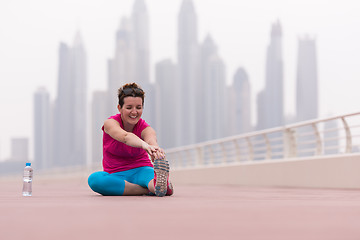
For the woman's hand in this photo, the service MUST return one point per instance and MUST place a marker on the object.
(150, 149)
(154, 151)
(158, 154)
(149, 136)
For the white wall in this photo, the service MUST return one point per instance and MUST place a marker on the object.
(320, 172)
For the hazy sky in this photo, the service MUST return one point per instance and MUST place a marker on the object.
(30, 33)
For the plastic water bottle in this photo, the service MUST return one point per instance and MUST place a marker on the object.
(27, 180)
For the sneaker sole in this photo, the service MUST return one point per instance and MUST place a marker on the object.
(161, 168)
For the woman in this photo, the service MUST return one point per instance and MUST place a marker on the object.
(128, 142)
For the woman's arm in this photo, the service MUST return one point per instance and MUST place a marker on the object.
(112, 127)
(149, 136)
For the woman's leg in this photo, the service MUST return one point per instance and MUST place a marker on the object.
(132, 189)
(144, 177)
(151, 186)
(106, 184)
(114, 184)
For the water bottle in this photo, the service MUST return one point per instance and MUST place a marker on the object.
(27, 180)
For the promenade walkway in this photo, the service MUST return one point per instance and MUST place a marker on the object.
(68, 209)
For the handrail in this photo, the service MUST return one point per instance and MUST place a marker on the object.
(303, 139)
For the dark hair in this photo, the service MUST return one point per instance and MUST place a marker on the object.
(130, 90)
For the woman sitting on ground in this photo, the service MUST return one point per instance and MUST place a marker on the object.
(128, 142)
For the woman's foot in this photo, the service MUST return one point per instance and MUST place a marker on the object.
(170, 189)
(169, 192)
(161, 169)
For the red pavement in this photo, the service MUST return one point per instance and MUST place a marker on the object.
(68, 209)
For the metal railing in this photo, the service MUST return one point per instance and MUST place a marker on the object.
(333, 135)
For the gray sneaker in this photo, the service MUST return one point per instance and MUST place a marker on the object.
(161, 169)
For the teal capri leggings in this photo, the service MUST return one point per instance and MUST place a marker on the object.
(114, 184)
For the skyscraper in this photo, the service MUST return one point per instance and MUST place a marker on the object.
(207, 50)
(121, 66)
(242, 105)
(140, 20)
(98, 116)
(274, 113)
(80, 99)
(131, 61)
(188, 60)
(166, 78)
(70, 119)
(306, 89)
(306, 81)
(151, 106)
(230, 110)
(42, 128)
(261, 110)
(210, 94)
(140, 23)
(63, 109)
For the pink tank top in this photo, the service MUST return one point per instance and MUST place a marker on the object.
(118, 156)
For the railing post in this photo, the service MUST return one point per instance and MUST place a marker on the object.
(348, 136)
(212, 158)
(199, 156)
(188, 154)
(289, 143)
(178, 159)
(268, 146)
(174, 159)
(318, 139)
(237, 149)
(251, 149)
(224, 155)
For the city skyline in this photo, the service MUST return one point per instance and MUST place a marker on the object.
(199, 77)
(218, 38)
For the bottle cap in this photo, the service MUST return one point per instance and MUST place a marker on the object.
(28, 164)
